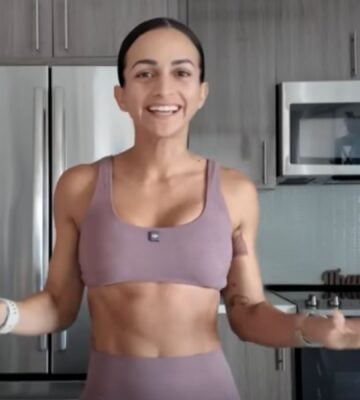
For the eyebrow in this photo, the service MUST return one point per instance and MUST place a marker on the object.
(153, 62)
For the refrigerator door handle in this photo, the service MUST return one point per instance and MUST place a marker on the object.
(40, 212)
(58, 134)
(59, 162)
(62, 343)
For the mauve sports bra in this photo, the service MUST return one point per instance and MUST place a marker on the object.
(196, 253)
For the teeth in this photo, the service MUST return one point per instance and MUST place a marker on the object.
(164, 108)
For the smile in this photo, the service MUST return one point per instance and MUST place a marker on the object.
(164, 109)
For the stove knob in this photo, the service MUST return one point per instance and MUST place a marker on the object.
(311, 301)
(334, 302)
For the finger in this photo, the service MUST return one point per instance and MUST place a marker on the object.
(338, 318)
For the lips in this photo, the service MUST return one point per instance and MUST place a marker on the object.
(163, 109)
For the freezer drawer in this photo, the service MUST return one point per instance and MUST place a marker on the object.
(48, 390)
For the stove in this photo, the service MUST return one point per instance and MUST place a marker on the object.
(323, 303)
(322, 373)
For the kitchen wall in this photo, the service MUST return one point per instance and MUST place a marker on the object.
(305, 230)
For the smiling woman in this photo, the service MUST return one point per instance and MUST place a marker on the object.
(156, 234)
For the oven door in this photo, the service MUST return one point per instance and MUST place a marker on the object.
(330, 374)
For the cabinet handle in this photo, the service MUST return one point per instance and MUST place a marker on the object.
(264, 157)
(37, 26)
(353, 54)
(280, 359)
(66, 25)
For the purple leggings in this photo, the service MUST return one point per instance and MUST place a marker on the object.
(203, 376)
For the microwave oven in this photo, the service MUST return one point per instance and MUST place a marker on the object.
(319, 132)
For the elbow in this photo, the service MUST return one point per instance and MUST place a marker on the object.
(64, 313)
(242, 321)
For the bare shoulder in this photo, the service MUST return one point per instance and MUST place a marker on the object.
(236, 183)
(77, 177)
(240, 194)
(74, 190)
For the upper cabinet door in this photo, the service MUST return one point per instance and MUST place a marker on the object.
(355, 39)
(237, 124)
(96, 28)
(25, 29)
(313, 39)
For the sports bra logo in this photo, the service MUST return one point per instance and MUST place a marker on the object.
(154, 236)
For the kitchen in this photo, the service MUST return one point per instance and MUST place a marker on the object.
(305, 229)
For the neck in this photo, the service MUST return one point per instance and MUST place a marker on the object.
(146, 163)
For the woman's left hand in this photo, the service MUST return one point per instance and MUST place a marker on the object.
(343, 333)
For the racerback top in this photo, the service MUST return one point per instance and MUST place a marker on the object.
(197, 253)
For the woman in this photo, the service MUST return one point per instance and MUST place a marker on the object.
(156, 233)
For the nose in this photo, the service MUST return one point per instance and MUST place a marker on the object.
(164, 85)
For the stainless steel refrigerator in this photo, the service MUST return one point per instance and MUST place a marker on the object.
(51, 118)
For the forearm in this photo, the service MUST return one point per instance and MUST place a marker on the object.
(265, 325)
(38, 314)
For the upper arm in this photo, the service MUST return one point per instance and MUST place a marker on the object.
(244, 285)
(64, 281)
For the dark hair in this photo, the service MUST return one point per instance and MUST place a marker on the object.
(150, 25)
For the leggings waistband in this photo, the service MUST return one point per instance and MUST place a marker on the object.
(198, 376)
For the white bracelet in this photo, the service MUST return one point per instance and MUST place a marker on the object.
(12, 316)
(299, 335)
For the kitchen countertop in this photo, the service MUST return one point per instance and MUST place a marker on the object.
(273, 299)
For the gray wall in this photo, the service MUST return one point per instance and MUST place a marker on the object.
(305, 230)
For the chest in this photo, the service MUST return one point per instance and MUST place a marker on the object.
(170, 203)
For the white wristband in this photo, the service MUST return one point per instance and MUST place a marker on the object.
(12, 316)
(299, 335)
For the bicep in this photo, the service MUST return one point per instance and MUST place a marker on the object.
(244, 283)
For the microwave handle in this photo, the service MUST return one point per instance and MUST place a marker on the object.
(353, 54)
(264, 162)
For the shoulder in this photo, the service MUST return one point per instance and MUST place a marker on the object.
(237, 185)
(74, 190)
(75, 178)
(240, 194)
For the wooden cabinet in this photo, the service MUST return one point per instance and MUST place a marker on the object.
(95, 28)
(314, 39)
(25, 29)
(259, 372)
(52, 30)
(237, 124)
(354, 27)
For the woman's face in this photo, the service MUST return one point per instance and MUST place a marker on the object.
(162, 89)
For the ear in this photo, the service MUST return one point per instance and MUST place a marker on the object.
(204, 91)
(119, 97)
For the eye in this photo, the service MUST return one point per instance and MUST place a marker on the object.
(144, 74)
(182, 73)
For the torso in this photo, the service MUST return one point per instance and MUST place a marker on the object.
(152, 319)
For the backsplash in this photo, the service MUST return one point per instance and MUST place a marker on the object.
(305, 230)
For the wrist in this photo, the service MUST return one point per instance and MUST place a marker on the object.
(11, 317)
(308, 328)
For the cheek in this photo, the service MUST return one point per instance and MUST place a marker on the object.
(194, 98)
